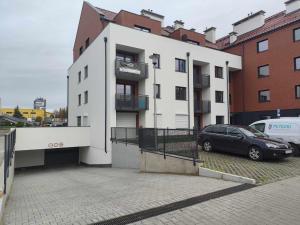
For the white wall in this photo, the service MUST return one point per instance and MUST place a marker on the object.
(293, 6)
(29, 158)
(250, 24)
(51, 137)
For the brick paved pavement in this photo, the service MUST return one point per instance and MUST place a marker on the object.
(84, 195)
(263, 172)
(272, 204)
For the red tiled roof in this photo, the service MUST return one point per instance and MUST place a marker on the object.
(271, 23)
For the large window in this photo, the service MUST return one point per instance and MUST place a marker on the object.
(140, 28)
(157, 90)
(263, 71)
(220, 120)
(180, 93)
(297, 91)
(79, 100)
(219, 97)
(86, 97)
(297, 34)
(86, 72)
(180, 65)
(218, 72)
(264, 96)
(262, 46)
(297, 63)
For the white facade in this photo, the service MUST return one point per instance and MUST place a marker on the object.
(292, 6)
(252, 23)
(168, 108)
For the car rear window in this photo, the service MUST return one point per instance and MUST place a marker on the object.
(260, 127)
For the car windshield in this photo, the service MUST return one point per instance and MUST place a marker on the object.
(251, 132)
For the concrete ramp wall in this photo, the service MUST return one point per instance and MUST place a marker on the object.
(156, 163)
(125, 156)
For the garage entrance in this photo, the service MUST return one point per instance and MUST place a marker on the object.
(66, 156)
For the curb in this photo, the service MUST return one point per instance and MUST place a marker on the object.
(225, 176)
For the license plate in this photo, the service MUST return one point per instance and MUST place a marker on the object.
(288, 151)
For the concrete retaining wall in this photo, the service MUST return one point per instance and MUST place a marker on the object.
(155, 163)
(127, 157)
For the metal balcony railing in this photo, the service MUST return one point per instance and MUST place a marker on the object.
(131, 103)
(202, 107)
(131, 70)
(201, 81)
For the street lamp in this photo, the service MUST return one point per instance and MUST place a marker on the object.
(154, 58)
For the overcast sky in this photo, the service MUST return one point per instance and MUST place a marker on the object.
(37, 36)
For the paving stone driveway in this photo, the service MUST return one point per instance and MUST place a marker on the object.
(83, 195)
(264, 172)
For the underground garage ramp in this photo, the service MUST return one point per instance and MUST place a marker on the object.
(66, 156)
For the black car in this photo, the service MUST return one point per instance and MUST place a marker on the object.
(243, 141)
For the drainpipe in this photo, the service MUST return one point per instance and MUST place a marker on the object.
(227, 84)
(188, 87)
(105, 96)
(68, 99)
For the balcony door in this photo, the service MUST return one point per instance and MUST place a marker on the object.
(125, 89)
(126, 57)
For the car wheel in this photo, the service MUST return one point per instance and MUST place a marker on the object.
(255, 153)
(296, 150)
(207, 146)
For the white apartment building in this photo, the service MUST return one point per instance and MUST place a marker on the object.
(111, 84)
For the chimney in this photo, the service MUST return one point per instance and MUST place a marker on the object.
(210, 35)
(292, 5)
(178, 24)
(232, 37)
(251, 22)
(152, 15)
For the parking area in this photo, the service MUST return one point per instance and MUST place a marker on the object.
(81, 195)
(263, 172)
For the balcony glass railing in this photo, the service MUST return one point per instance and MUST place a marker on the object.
(131, 102)
(131, 70)
(201, 81)
(202, 107)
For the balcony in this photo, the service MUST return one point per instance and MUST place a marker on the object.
(131, 103)
(201, 81)
(202, 107)
(131, 70)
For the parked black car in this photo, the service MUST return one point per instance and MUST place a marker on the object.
(243, 141)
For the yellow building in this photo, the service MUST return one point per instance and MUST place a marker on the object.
(29, 114)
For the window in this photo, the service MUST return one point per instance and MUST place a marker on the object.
(157, 90)
(86, 97)
(233, 132)
(79, 121)
(218, 72)
(157, 61)
(219, 97)
(297, 63)
(264, 96)
(297, 34)
(220, 120)
(264, 71)
(262, 46)
(193, 42)
(87, 43)
(297, 91)
(86, 72)
(180, 65)
(259, 126)
(126, 57)
(79, 100)
(230, 101)
(140, 28)
(80, 50)
(79, 76)
(180, 93)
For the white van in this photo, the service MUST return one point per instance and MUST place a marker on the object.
(285, 128)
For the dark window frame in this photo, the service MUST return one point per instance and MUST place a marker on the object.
(87, 43)
(157, 65)
(258, 71)
(180, 69)
(259, 97)
(294, 34)
(79, 77)
(257, 46)
(79, 100)
(158, 94)
(295, 63)
(80, 50)
(79, 122)
(217, 74)
(141, 28)
(86, 72)
(86, 97)
(296, 96)
(177, 96)
(219, 100)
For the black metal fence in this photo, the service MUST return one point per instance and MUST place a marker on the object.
(9, 150)
(176, 142)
